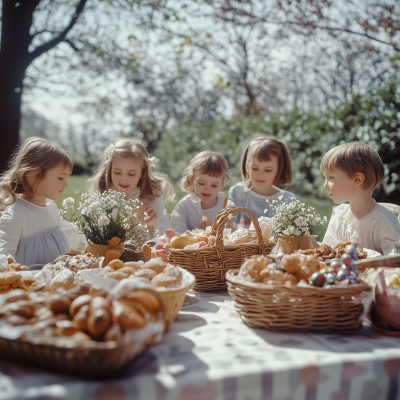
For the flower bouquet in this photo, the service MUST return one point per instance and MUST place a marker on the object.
(292, 223)
(106, 219)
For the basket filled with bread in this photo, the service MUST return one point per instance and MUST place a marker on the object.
(209, 255)
(171, 282)
(300, 293)
(75, 332)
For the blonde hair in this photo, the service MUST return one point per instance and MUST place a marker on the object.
(356, 157)
(35, 154)
(264, 147)
(151, 184)
(207, 163)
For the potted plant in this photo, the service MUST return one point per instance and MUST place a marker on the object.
(292, 223)
(106, 219)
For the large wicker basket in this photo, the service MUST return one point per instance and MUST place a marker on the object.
(210, 264)
(298, 309)
(91, 362)
(369, 265)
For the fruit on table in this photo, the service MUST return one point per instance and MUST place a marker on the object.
(179, 242)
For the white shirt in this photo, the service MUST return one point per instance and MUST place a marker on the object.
(379, 230)
(32, 233)
(187, 214)
(162, 221)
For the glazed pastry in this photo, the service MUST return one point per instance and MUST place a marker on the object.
(291, 264)
(147, 251)
(117, 275)
(112, 255)
(116, 264)
(126, 317)
(156, 264)
(147, 298)
(128, 270)
(290, 279)
(272, 282)
(242, 235)
(271, 274)
(145, 273)
(136, 265)
(78, 303)
(164, 280)
(175, 272)
(58, 303)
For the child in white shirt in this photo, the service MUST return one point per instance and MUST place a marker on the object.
(202, 179)
(126, 166)
(265, 163)
(31, 230)
(352, 171)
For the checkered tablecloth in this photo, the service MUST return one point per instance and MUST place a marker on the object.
(210, 354)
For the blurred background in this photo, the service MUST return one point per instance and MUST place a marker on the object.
(186, 76)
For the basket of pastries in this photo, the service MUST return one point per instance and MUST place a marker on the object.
(171, 282)
(74, 332)
(300, 293)
(209, 255)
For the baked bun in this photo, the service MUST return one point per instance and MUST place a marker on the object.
(175, 272)
(164, 280)
(145, 273)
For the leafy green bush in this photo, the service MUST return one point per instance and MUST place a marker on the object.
(373, 118)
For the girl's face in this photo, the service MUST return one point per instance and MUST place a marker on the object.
(207, 187)
(125, 174)
(263, 173)
(53, 183)
(340, 186)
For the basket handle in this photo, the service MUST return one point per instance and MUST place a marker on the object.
(219, 223)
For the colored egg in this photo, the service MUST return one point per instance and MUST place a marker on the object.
(352, 252)
(353, 280)
(317, 279)
(330, 278)
(341, 275)
(336, 265)
(346, 259)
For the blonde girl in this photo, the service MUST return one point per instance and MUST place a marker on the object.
(265, 164)
(31, 230)
(126, 166)
(202, 179)
(352, 171)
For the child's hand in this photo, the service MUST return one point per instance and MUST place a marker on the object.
(151, 214)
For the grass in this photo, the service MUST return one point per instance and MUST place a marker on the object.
(78, 185)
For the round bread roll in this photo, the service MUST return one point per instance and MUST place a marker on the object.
(78, 303)
(175, 272)
(145, 273)
(22, 308)
(117, 275)
(66, 328)
(134, 305)
(156, 264)
(116, 264)
(80, 337)
(140, 278)
(126, 317)
(99, 302)
(134, 264)
(147, 298)
(164, 280)
(58, 303)
(81, 318)
(128, 270)
(98, 322)
(44, 313)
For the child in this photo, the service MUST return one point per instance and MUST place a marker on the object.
(265, 163)
(31, 229)
(202, 179)
(126, 166)
(352, 171)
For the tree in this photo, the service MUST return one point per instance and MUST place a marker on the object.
(15, 57)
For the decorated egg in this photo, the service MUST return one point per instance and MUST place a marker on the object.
(317, 279)
(275, 266)
(341, 275)
(347, 269)
(336, 265)
(352, 252)
(330, 278)
(353, 280)
(346, 259)
(279, 256)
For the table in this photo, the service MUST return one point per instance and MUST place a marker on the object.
(210, 354)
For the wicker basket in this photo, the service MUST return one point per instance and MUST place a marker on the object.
(298, 309)
(209, 264)
(174, 298)
(90, 362)
(369, 265)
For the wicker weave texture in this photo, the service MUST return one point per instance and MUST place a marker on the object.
(210, 264)
(368, 265)
(298, 309)
(82, 362)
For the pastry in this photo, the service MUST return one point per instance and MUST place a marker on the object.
(164, 280)
(112, 255)
(136, 265)
(147, 298)
(271, 274)
(99, 321)
(147, 251)
(128, 270)
(18, 267)
(114, 241)
(81, 318)
(242, 235)
(114, 333)
(290, 279)
(290, 263)
(179, 242)
(145, 273)
(117, 275)
(156, 264)
(58, 303)
(78, 303)
(175, 272)
(116, 264)
(126, 317)
(272, 282)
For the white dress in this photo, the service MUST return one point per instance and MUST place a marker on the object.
(34, 234)
(188, 213)
(379, 230)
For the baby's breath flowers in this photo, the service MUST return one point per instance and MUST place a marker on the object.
(294, 218)
(102, 216)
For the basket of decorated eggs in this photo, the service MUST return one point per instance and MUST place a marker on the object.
(214, 255)
(74, 332)
(299, 293)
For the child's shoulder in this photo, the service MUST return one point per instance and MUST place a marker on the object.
(387, 216)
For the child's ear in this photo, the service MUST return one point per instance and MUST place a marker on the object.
(359, 178)
(191, 178)
(33, 176)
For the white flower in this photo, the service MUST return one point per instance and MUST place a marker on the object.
(103, 220)
(68, 202)
(114, 213)
(296, 232)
